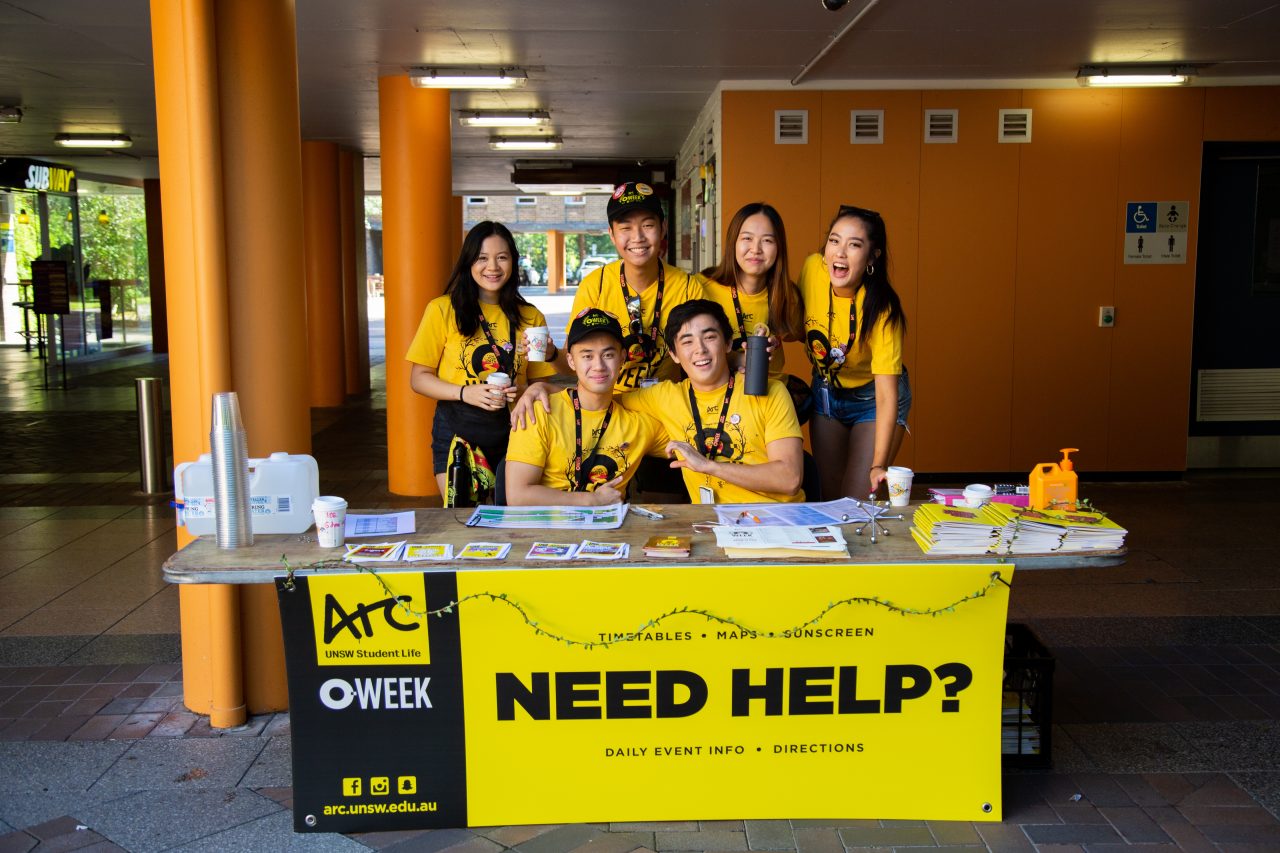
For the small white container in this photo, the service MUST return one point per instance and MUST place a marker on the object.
(977, 494)
(282, 488)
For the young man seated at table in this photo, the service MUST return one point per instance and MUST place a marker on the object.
(731, 447)
(586, 450)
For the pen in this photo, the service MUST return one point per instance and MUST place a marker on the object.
(647, 513)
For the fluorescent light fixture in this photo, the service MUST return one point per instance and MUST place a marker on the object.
(503, 118)
(10, 115)
(567, 189)
(525, 143)
(93, 140)
(468, 78)
(1135, 75)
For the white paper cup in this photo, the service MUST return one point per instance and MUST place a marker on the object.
(898, 479)
(331, 520)
(498, 381)
(977, 494)
(537, 339)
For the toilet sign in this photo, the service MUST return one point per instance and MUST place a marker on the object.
(1155, 232)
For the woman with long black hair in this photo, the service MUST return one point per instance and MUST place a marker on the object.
(854, 326)
(752, 283)
(466, 336)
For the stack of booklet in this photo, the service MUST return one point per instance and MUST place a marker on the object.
(957, 530)
(1040, 531)
(826, 542)
(584, 550)
(675, 547)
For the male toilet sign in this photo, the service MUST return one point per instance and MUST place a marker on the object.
(1166, 221)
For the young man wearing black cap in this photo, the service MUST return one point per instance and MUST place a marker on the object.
(638, 288)
(587, 448)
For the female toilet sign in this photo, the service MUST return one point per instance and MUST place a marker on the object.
(1155, 232)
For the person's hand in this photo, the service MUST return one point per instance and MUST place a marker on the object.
(688, 457)
(510, 394)
(524, 414)
(483, 397)
(607, 494)
(878, 473)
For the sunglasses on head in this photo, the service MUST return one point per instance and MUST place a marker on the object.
(854, 210)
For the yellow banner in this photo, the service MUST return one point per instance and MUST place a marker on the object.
(852, 708)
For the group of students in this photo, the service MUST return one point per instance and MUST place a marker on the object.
(637, 326)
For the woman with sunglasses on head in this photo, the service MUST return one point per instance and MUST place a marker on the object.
(854, 327)
(469, 334)
(752, 284)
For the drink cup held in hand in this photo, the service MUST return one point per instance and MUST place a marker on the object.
(977, 494)
(331, 520)
(499, 381)
(537, 339)
(898, 480)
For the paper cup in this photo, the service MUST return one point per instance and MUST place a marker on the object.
(898, 479)
(537, 339)
(977, 494)
(498, 381)
(331, 520)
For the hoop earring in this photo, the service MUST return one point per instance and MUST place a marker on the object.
(871, 268)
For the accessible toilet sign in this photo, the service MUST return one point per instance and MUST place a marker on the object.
(1155, 232)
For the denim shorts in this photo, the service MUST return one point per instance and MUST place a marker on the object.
(852, 406)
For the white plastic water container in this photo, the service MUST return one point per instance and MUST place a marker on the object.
(282, 488)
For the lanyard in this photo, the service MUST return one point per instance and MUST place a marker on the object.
(741, 340)
(713, 443)
(635, 312)
(836, 355)
(506, 358)
(579, 476)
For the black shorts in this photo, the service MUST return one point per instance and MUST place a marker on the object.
(490, 431)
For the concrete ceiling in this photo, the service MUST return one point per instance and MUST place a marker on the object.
(623, 80)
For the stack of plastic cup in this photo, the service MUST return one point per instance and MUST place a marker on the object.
(232, 522)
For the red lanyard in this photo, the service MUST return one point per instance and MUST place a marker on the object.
(714, 443)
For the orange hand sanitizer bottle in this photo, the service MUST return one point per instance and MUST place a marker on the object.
(1053, 484)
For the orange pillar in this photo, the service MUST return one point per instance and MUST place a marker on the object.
(189, 136)
(555, 261)
(320, 219)
(257, 73)
(227, 116)
(417, 202)
(355, 320)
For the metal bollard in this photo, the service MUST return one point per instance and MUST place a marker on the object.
(154, 474)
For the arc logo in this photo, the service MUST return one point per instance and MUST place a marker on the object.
(357, 623)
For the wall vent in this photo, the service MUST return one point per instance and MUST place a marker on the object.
(1238, 395)
(526, 200)
(791, 127)
(1015, 126)
(941, 125)
(866, 127)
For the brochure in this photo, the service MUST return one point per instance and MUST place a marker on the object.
(549, 517)
(551, 551)
(589, 550)
(484, 551)
(416, 553)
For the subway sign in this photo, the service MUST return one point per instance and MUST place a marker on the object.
(20, 173)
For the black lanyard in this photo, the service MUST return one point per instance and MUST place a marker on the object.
(741, 340)
(713, 443)
(506, 359)
(837, 355)
(636, 313)
(580, 476)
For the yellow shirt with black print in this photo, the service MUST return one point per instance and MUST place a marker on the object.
(826, 324)
(469, 360)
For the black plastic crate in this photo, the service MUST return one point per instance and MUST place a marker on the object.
(1026, 723)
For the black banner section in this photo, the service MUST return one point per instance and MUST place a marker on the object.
(378, 743)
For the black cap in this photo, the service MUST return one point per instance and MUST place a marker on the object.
(634, 195)
(592, 321)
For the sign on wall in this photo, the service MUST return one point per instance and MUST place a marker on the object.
(1155, 232)
(615, 694)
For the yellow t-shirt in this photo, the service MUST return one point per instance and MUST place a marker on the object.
(469, 361)
(751, 424)
(826, 324)
(549, 444)
(603, 289)
(755, 310)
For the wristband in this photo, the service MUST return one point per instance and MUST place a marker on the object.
(461, 388)
(881, 467)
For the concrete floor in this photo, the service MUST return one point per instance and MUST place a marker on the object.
(1166, 706)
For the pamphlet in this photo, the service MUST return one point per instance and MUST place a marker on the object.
(549, 517)
(840, 511)
(589, 550)
(416, 553)
(387, 524)
(551, 551)
(484, 551)
(381, 552)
